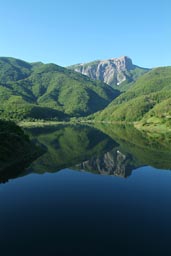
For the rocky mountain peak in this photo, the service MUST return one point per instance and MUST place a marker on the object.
(121, 62)
(113, 71)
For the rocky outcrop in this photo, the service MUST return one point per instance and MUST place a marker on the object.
(113, 71)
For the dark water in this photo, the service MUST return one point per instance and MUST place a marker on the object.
(102, 192)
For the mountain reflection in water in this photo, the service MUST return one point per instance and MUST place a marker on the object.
(107, 150)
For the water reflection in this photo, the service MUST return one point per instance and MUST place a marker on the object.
(68, 145)
(74, 211)
(113, 162)
(106, 149)
(146, 149)
(12, 172)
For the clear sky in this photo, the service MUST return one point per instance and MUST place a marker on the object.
(74, 31)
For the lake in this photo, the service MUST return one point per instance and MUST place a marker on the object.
(95, 191)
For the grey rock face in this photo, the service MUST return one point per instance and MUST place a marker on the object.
(112, 71)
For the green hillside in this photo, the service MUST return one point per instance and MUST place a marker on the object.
(148, 100)
(48, 91)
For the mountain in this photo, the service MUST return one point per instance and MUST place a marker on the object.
(148, 100)
(117, 72)
(48, 91)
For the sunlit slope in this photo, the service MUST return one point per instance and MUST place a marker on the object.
(48, 91)
(148, 99)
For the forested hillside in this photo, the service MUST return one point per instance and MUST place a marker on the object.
(148, 100)
(48, 91)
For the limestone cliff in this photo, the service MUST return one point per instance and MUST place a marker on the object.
(113, 71)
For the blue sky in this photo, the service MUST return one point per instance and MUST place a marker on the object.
(74, 31)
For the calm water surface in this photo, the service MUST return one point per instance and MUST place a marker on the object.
(104, 191)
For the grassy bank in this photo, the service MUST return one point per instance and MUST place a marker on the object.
(27, 124)
(148, 127)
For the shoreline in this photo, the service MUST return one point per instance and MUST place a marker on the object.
(158, 128)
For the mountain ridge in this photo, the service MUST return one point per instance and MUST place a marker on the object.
(116, 72)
